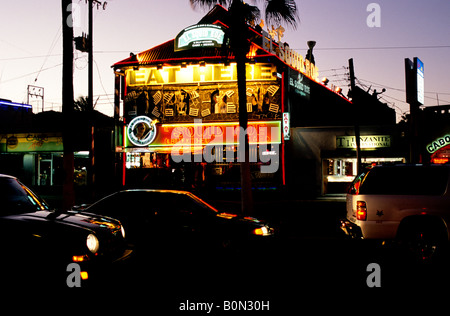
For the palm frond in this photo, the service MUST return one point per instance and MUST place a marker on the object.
(282, 11)
(244, 11)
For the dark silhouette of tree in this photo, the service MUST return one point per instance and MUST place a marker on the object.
(243, 15)
(81, 104)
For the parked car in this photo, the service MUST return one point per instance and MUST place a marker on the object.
(406, 203)
(179, 219)
(37, 244)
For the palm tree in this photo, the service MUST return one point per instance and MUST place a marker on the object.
(81, 104)
(242, 14)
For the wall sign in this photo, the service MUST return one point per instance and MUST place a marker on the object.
(286, 126)
(366, 142)
(199, 36)
(34, 142)
(141, 131)
(147, 76)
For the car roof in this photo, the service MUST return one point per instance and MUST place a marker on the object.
(407, 165)
(157, 191)
(7, 176)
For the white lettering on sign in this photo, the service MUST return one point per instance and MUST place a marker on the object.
(438, 144)
(203, 35)
(366, 142)
(299, 85)
(196, 73)
(286, 126)
(290, 57)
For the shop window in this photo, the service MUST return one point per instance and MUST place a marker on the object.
(338, 173)
(147, 160)
(340, 170)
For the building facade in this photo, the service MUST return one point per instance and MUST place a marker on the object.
(177, 115)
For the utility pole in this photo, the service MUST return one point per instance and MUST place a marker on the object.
(356, 115)
(91, 173)
(90, 60)
(414, 78)
(90, 113)
(67, 104)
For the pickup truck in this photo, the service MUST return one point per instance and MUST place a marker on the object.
(405, 203)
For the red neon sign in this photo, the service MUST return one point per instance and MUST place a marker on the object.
(216, 133)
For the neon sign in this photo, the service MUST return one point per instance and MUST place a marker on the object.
(438, 144)
(198, 36)
(286, 126)
(141, 131)
(196, 74)
(201, 134)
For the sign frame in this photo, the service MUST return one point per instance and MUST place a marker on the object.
(420, 83)
(147, 138)
(200, 36)
(368, 142)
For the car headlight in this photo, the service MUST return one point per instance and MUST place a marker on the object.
(262, 231)
(122, 229)
(92, 243)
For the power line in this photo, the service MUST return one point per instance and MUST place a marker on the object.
(403, 90)
(52, 46)
(103, 87)
(380, 47)
(58, 55)
(31, 73)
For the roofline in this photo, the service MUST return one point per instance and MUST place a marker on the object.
(133, 60)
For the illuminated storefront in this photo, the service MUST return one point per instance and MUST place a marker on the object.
(192, 111)
(177, 111)
(339, 171)
(31, 148)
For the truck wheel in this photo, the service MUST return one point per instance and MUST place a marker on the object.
(423, 242)
(424, 246)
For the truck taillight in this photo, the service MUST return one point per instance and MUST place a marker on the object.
(361, 210)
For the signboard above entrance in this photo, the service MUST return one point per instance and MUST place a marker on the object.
(367, 142)
(200, 36)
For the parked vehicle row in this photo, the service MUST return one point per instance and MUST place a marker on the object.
(177, 219)
(38, 243)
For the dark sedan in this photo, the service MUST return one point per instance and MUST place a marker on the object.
(178, 218)
(38, 244)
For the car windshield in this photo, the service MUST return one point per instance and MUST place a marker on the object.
(17, 198)
(203, 204)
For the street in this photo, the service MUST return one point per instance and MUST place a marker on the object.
(310, 257)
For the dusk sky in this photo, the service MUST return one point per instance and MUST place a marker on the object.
(31, 46)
